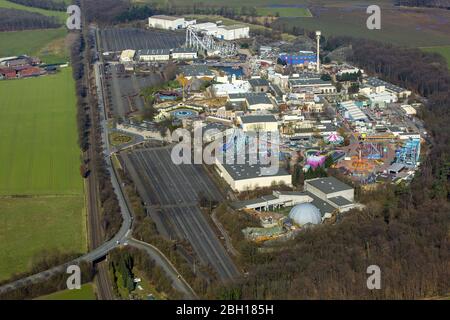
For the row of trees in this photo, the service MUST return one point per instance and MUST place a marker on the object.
(57, 5)
(424, 3)
(15, 20)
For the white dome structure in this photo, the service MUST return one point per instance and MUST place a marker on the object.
(305, 213)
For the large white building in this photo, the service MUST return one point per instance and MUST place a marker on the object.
(153, 55)
(166, 22)
(261, 122)
(243, 177)
(233, 32)
(184, 54)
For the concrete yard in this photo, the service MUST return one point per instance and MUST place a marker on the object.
(171, 193)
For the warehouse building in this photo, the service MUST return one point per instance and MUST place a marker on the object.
(314, 85)
(184, 54)
(253, 101)
(243, 177)
(153, 55)
(258, 123)
(331, 189)
(381, 86)
(233, 32)
(352, 112)
(166, 22)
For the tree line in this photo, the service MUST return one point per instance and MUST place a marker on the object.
(445, 4)
(16, 20)
(44, 4)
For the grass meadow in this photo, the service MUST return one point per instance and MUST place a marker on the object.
(85, 293)
(41, 190)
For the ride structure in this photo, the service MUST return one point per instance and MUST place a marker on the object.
(208, 43)
(409, 153)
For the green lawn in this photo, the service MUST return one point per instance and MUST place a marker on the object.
(61, 15)
(85, 293)
(39, 157)
(30, 225)
(38, 137)
(444, 51)
(284, 11)
(47, 44)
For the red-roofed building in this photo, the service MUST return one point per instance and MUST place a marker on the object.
(31, 72)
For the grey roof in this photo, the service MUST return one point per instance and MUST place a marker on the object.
(322, 205)
(184, 50)
(396, 167)
(196, 71)
(308, 82)
(375, 82)
(259, 82)
(164, 17)
(153, 52)
(234, 27)
(340, 201)
(258, 118)
(328, 184)
(252, 98)
(249, 171)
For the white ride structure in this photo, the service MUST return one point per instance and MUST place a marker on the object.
(212, 46)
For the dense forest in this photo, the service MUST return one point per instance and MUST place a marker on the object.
(16, 20)
(424, 3)
(403, 230)
(44, 4)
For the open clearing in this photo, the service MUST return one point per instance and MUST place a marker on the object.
(35, 43)
(61, 15)
(40, 161)
(85, 293)
(444, 51)
(283, 11)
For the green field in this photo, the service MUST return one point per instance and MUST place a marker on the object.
(40, 160)
(30, 225)
(48, 44)
(85, 293)
(444, 51)
(38, 140)
(61, 15)
(284, 11)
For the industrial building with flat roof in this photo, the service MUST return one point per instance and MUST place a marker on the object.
(261, 122)
(247, 176)
(254, 101)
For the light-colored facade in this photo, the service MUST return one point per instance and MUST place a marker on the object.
(153, 55)
(166, 22)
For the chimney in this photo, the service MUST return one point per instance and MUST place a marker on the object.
(318, 34)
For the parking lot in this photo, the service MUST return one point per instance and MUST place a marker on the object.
(171, 193)
(119, 39)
